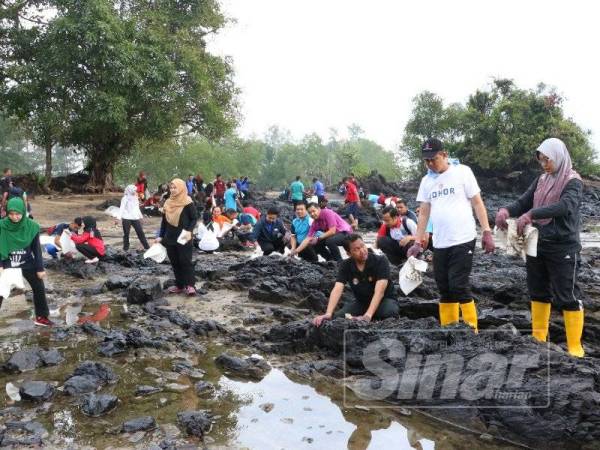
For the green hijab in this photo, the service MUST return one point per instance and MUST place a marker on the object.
(16, 236)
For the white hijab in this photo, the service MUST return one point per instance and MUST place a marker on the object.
(130, 206)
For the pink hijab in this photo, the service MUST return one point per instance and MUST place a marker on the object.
(550, 186)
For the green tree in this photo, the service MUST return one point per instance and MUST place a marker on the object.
(498, 129)
(117, 74)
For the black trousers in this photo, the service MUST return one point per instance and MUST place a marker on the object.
(386, 309)
(137, 226)
(552, 278)
(392, 249)
(269, 247)
(309, 254)
(328, 248)
(88, 251)
(39, 293)
(452, 269)
(180, 257)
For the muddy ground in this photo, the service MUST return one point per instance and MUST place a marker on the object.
(240, 366)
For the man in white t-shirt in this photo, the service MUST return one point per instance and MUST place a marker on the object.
(449, 194)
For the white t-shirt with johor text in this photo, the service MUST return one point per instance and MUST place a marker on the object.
(449, 195)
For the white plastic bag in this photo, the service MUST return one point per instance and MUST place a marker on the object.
(200, 231)
(156, 252)
(411, 274)
(516, 245)
(184, 237)
(46, 239)
(226, 228)
(66, 244)
(9, 279)
(113, 211)
(313, 199)
(209, 241)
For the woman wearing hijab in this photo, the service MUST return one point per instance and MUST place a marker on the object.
(131, 216)
(20, 248)
(552, 204)
(177, 224)
(89, 243)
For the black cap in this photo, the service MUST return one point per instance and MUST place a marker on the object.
(431, 147)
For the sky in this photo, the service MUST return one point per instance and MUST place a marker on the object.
(312, 65)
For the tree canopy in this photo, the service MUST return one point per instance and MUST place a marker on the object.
(108, 75)
(497, 130)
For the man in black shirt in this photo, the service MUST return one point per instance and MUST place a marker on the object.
(369, 277)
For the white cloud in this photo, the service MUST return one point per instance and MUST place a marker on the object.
(314, 64)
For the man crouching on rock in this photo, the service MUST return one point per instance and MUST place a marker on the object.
(369, 278)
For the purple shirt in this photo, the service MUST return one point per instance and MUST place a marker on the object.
(328, 219)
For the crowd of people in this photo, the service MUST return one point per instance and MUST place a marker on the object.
(450, 200)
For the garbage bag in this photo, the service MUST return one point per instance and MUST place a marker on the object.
(156, 252)
(66, 244)
(516, 245)
(9, 279)
(411, 274)
(209, 241)
(113, 211)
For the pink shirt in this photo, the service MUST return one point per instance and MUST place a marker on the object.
(328, 219)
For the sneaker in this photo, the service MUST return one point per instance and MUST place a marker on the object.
(92, 261)
(43, 322)
(175, 290)
(190, 290)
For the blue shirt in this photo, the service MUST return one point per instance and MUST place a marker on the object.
(319, 189)
(190, 186)
(230, 195)
(297, 189)
(300, 228)
(373, 198)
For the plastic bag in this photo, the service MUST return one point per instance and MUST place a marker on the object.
(514, 244)
(46, 239)
(209, 241)
(66, 243)
(200, 232)
(113, 211)
(9, 279)
(184, 237)
(411, 274)
(156, 252)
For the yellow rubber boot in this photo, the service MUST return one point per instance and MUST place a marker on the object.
(574, 330)
(469, 314)
(449, 313)
(540, 320)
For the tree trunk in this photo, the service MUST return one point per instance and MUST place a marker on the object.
(48, 176)
(101, 174)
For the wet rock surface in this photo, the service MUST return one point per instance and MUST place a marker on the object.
(97, 405)
(251, 367)
(195, 423)
(139, 424)
(37, 391)
(143, 290)
(32, 358)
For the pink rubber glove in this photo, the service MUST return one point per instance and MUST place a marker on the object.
(487, 242)
(523, 221)
(501, 217)
(415, 250)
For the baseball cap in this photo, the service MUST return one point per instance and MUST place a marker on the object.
(430, 147)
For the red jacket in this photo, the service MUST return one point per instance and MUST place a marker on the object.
(92, 241)
(219, 188)
(351, 193)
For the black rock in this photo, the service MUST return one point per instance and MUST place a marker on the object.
(195, 423)
(146, 390)
(205, 388)
(139, 424)
(38, 391)
(115, 282)
(97, 405)
(81, 384)
(143, 290)
(251, 367)
(32, 358)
